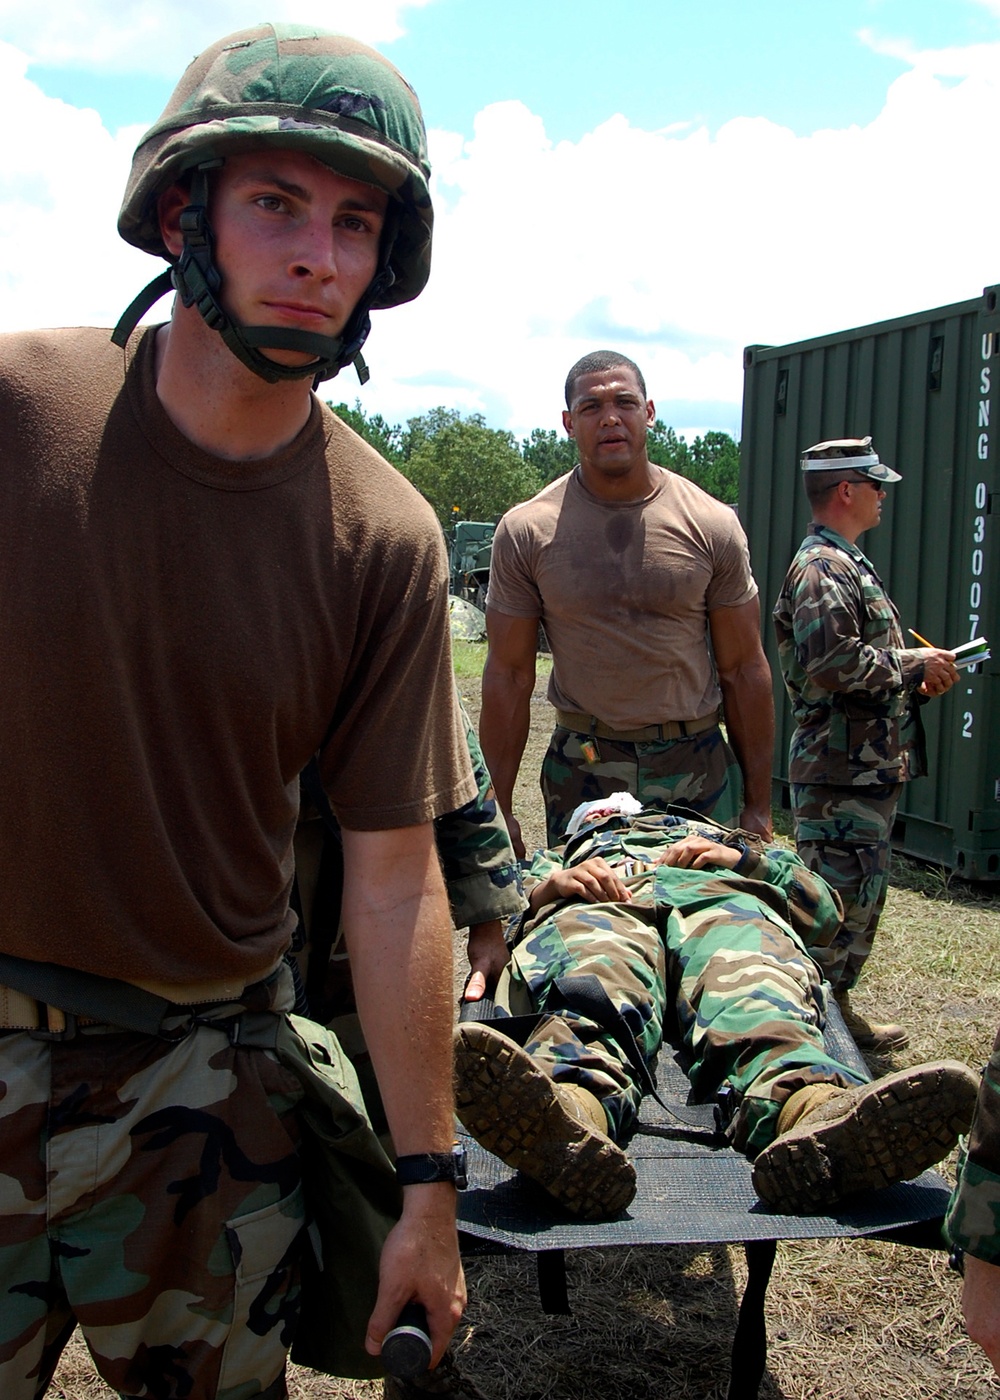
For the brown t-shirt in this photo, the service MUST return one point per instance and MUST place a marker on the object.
(178, 634)
(624, 592)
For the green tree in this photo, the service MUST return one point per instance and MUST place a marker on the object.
(712, 461)
(420, 430)
(715, 462)
(459, 462)
(666, 449)
(386, 438)
(551, 454)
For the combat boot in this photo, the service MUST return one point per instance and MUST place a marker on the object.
(556, 1134)
(833, 1142)
(880, 1036)
(446, 1379)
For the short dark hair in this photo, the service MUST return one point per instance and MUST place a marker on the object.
(820, 484)
(596, 363)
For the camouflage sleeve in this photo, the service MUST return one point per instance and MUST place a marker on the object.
(973, 1219)
(827, 604)
(542, 865)
(480, 868)
(815, 911)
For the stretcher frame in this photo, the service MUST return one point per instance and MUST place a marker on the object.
(691, 1190)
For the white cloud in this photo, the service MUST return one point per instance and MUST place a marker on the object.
(959, 61)
(60, 260)
(682, 247)
(678, 246)
(149, 36)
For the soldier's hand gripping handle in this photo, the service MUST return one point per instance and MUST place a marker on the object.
(406, 1348)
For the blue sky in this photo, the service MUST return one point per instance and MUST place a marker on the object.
(665, 61)
(797, 62)
(674, 178)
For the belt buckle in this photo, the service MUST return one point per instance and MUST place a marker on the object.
(67, 1031)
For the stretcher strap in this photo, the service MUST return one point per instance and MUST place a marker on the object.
(586, 995)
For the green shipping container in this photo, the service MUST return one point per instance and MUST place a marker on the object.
(926, 388)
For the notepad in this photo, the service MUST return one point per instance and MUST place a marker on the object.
(971, 653)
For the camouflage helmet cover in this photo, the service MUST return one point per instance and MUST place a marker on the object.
(291, 87)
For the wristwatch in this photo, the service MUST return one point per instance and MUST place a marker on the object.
(419, 1168)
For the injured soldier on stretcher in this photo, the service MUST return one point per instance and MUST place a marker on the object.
(699, 936)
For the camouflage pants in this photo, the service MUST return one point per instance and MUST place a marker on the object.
(150, 1191)
(700, 773)
(740, 994)
(843, 834)
(973, 1219)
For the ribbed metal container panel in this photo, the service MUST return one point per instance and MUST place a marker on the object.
(925, 387)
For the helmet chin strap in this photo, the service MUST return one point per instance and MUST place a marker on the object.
(197, 281)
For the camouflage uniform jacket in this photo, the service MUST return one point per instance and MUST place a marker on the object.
(774, 876)
(480, 868)
(851, 681)
(973, 1219)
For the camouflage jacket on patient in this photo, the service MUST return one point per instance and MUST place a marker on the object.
(850, 678)
(973, 1220)
(772, 876)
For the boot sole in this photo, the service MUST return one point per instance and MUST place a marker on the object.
(511, 1108)
(891, 1131)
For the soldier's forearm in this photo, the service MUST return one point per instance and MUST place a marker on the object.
(504, 723)
(748, 707)
(398, 933)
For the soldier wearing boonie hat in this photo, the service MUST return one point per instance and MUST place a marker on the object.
(855, 690)
(848, 455)
(207, 580)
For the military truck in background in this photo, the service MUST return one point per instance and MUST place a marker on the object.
(469, 554)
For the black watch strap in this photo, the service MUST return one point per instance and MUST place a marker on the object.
(420, 1168)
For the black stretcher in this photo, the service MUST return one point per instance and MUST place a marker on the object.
(690, 1190)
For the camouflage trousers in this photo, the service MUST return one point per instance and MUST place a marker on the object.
(149, 1191)
(843, 834)
(700, 773)
(973, 1218)
(740, 995)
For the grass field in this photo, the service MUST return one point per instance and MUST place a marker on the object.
(848, 1320)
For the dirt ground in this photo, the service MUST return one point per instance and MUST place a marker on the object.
(847, 1320)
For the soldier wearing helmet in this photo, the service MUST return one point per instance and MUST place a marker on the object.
(285, 89)
(207, 580)
(855, 691)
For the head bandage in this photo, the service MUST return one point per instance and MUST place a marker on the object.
(620, 803)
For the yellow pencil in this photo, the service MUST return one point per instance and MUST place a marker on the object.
(922, 640)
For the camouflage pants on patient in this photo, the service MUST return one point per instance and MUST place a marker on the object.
(700, 773)
(149, 1190)
(730, 981)
(843, 834)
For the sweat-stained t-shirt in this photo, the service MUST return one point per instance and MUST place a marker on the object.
(624, 592)
(179, 635)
